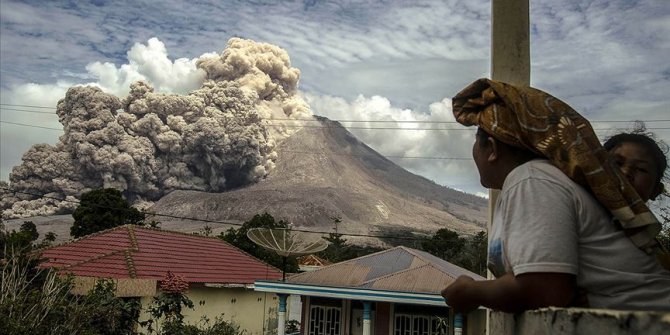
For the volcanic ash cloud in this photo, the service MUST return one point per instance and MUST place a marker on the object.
(147, 144)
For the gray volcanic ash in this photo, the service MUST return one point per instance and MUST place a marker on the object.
(326, 172)
(232, 148)
(148, 144)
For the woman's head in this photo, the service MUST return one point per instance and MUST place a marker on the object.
(641, 159)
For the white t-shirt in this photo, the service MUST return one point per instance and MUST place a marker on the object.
(544, 222)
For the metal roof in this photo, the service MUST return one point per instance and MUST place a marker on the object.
(400, 269)
(146, 253)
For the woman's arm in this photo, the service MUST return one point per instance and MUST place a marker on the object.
(511, 294)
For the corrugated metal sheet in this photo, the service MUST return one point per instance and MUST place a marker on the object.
(399, 269)
(344, 275)
(424, 279)
(386, 263)
(145, 253)
(444, 266)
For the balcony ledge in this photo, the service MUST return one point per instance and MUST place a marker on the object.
(564, 321)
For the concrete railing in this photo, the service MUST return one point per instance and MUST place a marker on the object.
(564, 321)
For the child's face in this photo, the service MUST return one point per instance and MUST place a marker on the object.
(638, 166)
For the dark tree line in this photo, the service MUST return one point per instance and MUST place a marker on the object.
(103, 209)
(468, 252)
(238, 237)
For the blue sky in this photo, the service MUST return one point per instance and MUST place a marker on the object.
(370, 60)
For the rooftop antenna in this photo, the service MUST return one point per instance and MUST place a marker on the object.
(287, 243)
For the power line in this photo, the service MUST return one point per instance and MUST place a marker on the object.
(232, 223)
(313, 152)
(29, 106)
(351, 121)
(27, 111)
(346, 127)
(29, 125)
(355, 155)
(296, 151)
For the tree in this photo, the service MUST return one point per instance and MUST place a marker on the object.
(467, 252)
(21, 240)
(238, 238)
(445, 244)
(103, 209)
(337, 250)
(476, 253)
(108, 314)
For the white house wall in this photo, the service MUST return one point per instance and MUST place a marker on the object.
(253, 311)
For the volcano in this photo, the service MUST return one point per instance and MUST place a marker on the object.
(324, 172)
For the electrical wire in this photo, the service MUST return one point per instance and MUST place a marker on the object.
(232, 223)
(340, 127)
(340, 120)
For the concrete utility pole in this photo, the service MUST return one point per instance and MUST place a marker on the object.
(510, 41)
(510, 62)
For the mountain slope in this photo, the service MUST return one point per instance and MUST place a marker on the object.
(324, 172)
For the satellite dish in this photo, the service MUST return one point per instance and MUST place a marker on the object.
(287, 243)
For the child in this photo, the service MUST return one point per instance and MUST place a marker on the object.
(642, 160)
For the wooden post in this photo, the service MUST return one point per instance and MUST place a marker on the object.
(510, 62)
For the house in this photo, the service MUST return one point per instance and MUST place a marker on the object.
(392, 292)
(137, 258)
(311, 262)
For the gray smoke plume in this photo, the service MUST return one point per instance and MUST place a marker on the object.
(147, 144)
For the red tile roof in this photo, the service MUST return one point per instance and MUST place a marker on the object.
(147, 253)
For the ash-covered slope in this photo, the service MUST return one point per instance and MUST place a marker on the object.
(324, 172)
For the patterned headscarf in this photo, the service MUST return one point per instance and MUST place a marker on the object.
(528, 118)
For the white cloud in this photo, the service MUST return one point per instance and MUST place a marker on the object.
(443, 156)
(148, 62)
(608, 59)
(145, 62)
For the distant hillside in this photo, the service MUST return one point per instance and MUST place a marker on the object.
(326, 172)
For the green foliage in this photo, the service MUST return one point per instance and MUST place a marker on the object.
(16, 248)
(477, 249)
(108, 314)
(445, 244)
(30, 230)
(103, 209)
(167, 318)
(335, 252)
(664, 235)
(219, 327)
(292, 327)
(21, 240)
(339, 250)
(37, 301)
(34, 301)
(169, 306)
(467, 252)
(49, 238)
(204, 231)
(664, 208)
(238, 238)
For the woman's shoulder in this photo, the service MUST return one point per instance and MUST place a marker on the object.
(537, 169)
